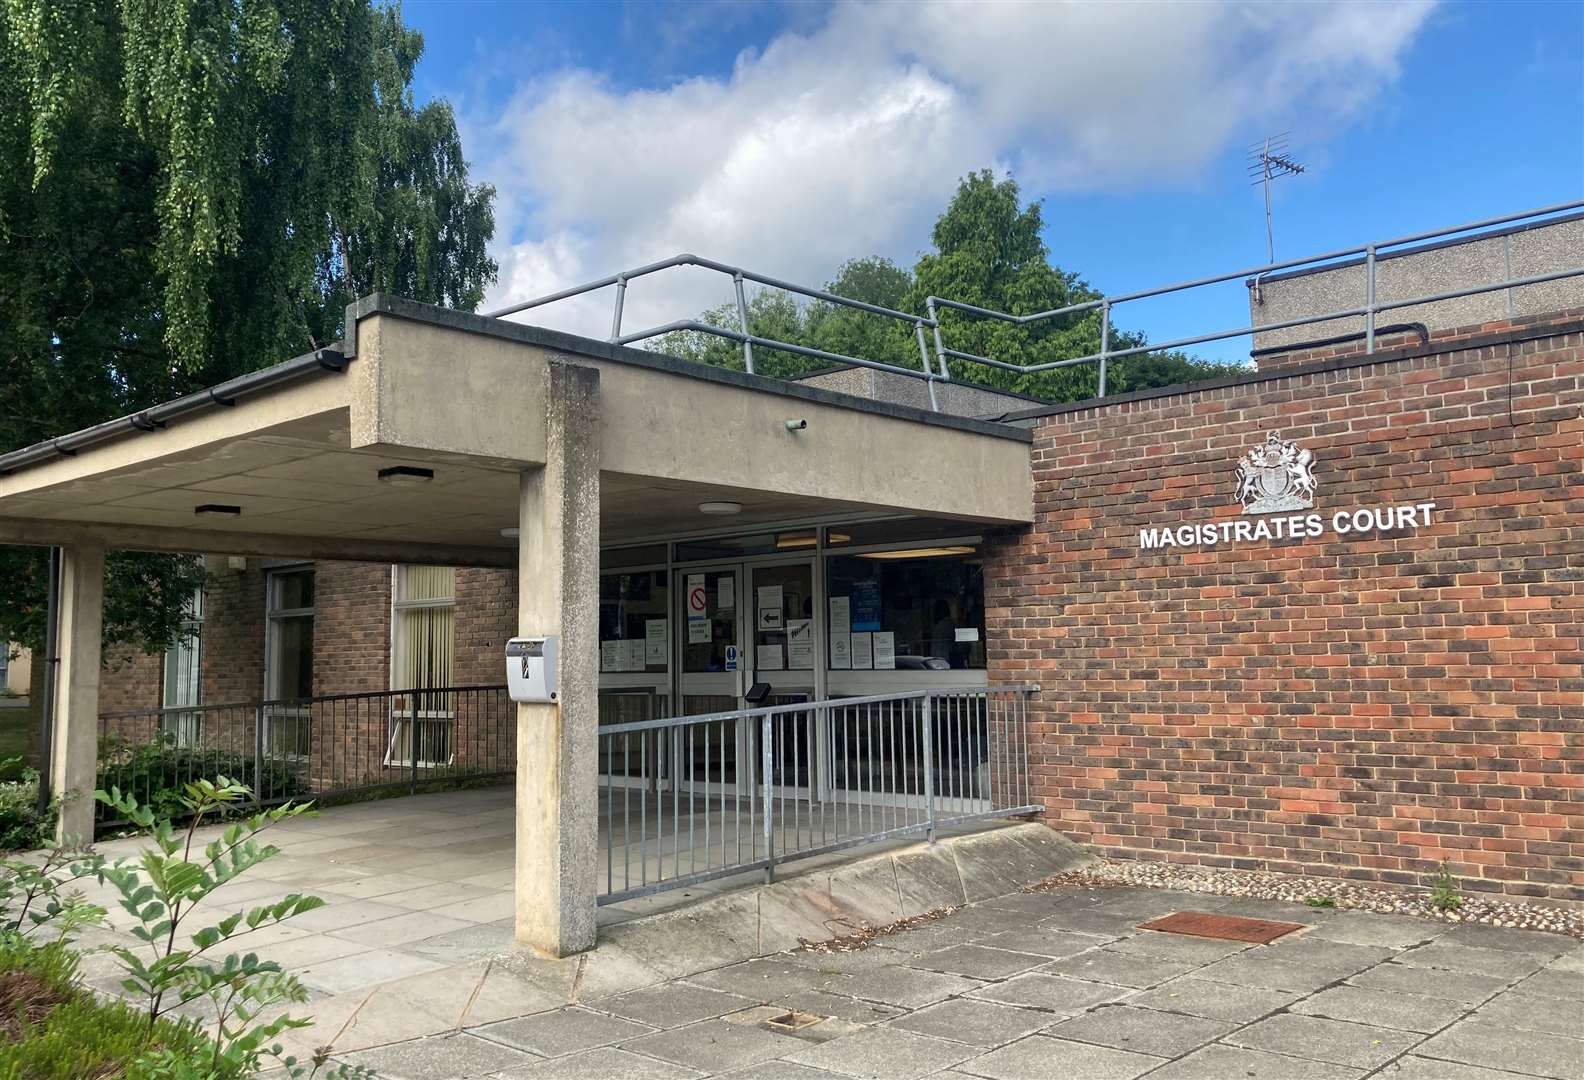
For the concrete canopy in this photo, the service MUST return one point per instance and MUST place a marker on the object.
(459, 395)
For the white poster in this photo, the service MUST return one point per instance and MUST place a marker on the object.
(800, 644)
(967, 633)
(884, 650)
(726, 592)
(769, 658)
(841, 651)
(862, 652)
(655, 641)
(769, 605)
(632, 654)
(697, 603)
(841, 614)
(610, 655)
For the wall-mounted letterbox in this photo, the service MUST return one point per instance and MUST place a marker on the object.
(531, 668)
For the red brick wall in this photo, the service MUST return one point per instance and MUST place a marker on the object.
(131, 679)
(352, 625)
(486, 619)
(233, 634)
(1361, 708)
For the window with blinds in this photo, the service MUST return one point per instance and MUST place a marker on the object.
(423, 644)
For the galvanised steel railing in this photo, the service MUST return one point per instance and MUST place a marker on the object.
(311, 748)
(693, 798)
(939, 370)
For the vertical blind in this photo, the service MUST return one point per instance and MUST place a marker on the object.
(425, 606)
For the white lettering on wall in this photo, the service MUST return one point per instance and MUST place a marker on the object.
(1344, 524)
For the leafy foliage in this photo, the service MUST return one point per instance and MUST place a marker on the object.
(987, 252)
(193, 190)
(22, 827)
(158, 773)
(1444, 894)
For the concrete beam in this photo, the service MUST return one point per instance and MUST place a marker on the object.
(45, 533)
(558, 744)
(74, 743)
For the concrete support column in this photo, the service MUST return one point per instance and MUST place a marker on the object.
(74, 742)
(558, 744)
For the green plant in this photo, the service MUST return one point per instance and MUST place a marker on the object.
(34, 896)
(1320, 901)
(52, 1029)
(22, 827)
(1444, 895)
(159, 771)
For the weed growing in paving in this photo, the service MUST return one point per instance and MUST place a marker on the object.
(1444, 895)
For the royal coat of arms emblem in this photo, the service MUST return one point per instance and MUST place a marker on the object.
(1276, 477)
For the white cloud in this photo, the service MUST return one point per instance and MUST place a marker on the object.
(848, 139)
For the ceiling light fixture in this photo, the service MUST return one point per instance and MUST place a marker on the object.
(720, 508)
(406, 474)
(920, 553)
(218, 508)
(511, 534)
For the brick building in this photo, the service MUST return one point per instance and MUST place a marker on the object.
(1321, 617)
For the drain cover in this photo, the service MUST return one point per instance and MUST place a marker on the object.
(791, 1021)
(1223, 927)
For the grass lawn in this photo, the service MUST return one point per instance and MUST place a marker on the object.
(13, 740)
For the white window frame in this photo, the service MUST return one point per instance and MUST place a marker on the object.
(301, 716)
(185, 656)
(402, 720)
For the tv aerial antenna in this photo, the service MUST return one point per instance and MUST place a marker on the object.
(1270, 160)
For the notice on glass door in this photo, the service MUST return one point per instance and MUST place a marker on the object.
(800, 644)
(726, 592)
(655, 639)
(841, 614)
(697, 607)
(769, 605)
(841, 651)
(769, 658)
(862, 652)
(885, 651)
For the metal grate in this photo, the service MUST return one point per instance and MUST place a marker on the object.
(1222, 927)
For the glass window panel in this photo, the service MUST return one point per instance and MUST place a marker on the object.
(731, 547)
(645, 555)
(291, 665)
(633, 606)
(291, 589)
(864, 533)
(425, 583)
(702, 656)
(933, 604)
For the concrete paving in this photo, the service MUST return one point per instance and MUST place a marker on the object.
(411, 973)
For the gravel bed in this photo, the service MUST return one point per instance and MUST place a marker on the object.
(1477, 908)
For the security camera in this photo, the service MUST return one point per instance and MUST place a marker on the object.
(796, 425)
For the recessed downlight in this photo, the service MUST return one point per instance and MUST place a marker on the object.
(720, 508)
(406, 474)
(511, 534)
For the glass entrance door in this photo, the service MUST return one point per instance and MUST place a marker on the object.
(784, 636)
(709, 617)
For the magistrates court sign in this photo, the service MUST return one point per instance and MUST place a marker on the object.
(1276, 485)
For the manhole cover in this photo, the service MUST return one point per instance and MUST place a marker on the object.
(791, 1021)
(1223, 927)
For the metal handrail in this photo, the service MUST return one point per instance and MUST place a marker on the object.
(927, 369)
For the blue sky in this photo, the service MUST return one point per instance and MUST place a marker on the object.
(791, 136)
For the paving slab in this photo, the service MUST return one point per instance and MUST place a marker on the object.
(1572, 960)
(1355, 1045)
(1095, 921)
(1121, 969)
(1144, 1031)
(1464, 986)
(1041, 1057)
(839, 1006)
(1263, 970)
(783, 1070)
(1509, 938)
(1183, 948)
(1534, 1012)
(973, 1021)
(1046, 941)
(1450, 957)
(715, 1046)
(341, 976)
(1214, 1000)
(978, 962)
(1413, 1067)
(1496, 1046)
(562, 1031)
(1404, 1012)
(673, 1004)
(1335, 958)
(769, 979)
(1052, 993)
(1370, 928)
(402, 930)
(1221, 1062)
(885, 1053)
(604, 1063)
(1557, 984)
(905, 987)
(443, 1057)
(469, 942)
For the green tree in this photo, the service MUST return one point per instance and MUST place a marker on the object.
(193, 189)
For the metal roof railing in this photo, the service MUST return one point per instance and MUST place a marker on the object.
(937, 369)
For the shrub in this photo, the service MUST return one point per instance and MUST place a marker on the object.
(22, 827)
(158, 773)
(52, 1029)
